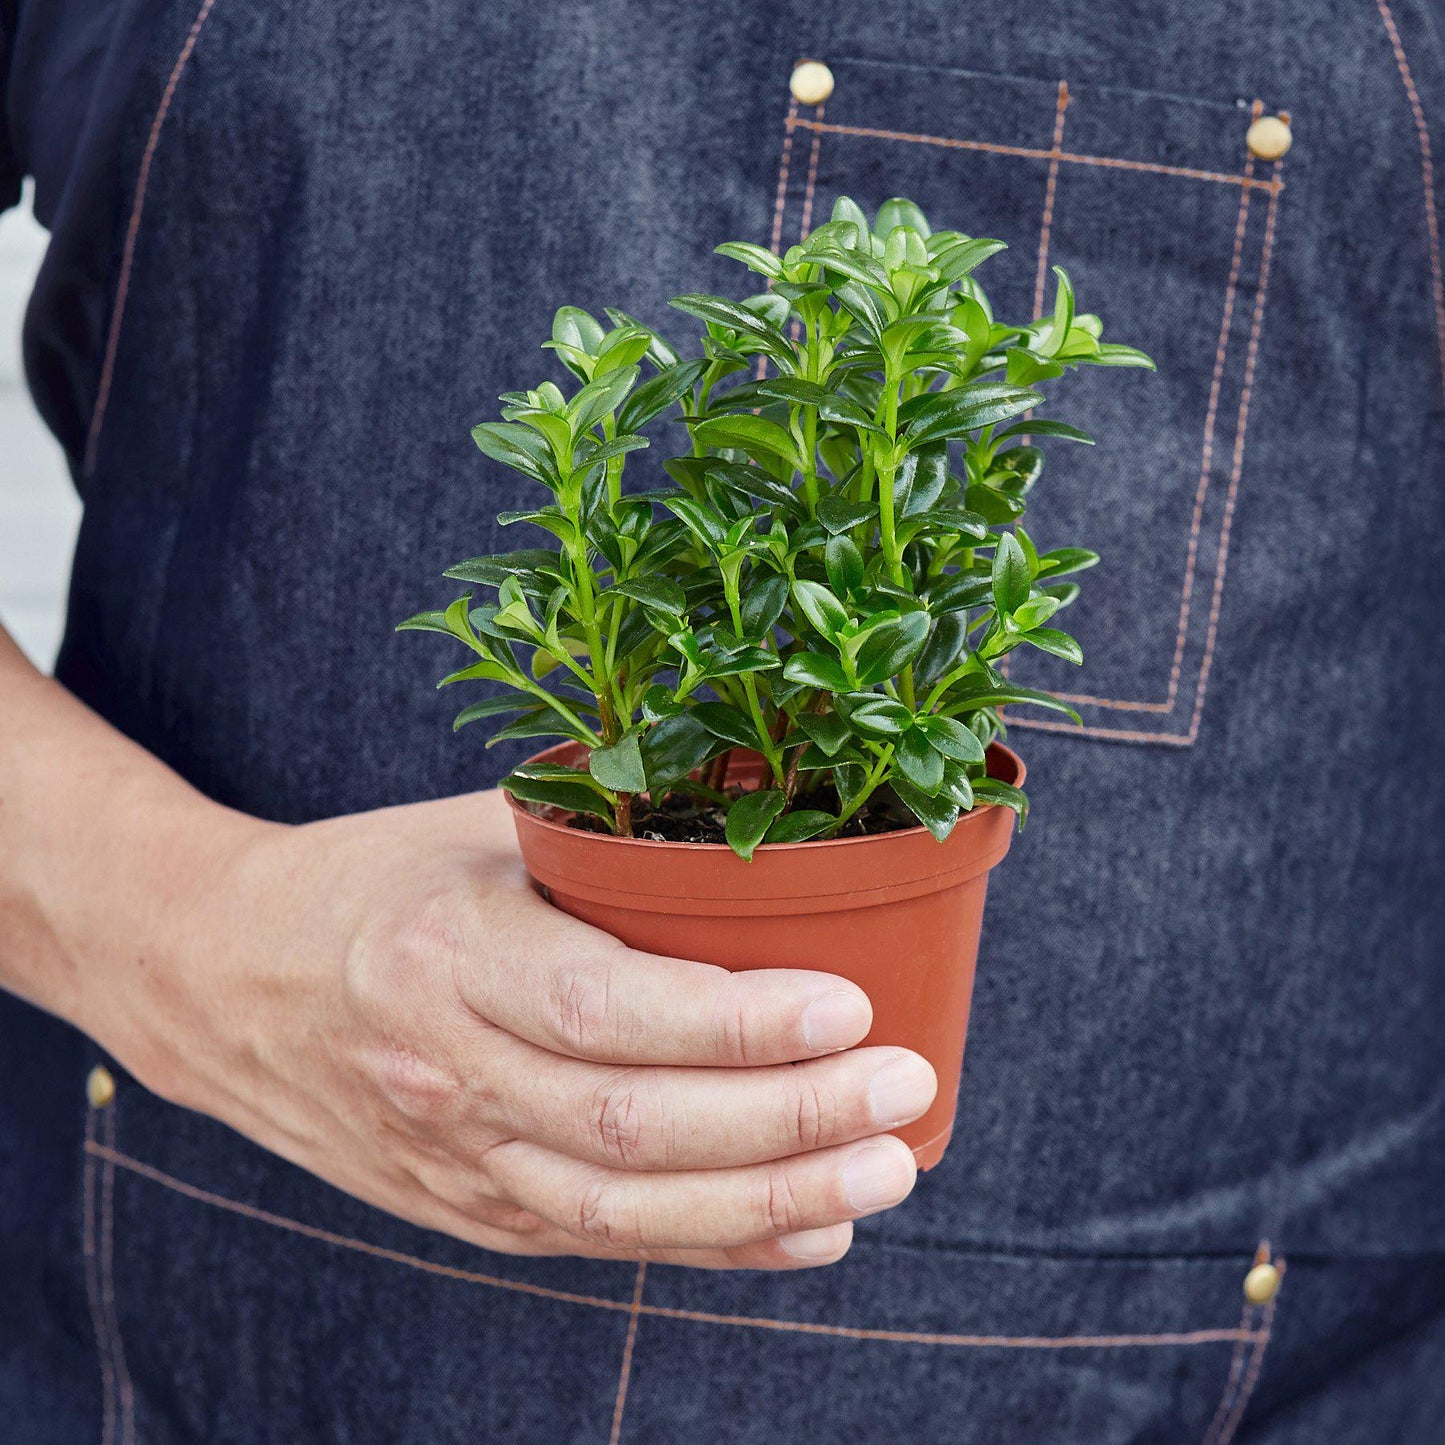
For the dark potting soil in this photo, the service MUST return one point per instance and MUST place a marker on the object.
(685, 819)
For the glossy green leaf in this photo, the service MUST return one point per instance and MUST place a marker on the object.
(749, 819)
(569, 797)
(816, 670)
(890, 647)
(937, 814)
(1011, 580)
(619, 767)
(799, 826)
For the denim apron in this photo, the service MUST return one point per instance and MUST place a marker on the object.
(1207, 1028)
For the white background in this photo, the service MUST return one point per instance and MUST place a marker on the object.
(39, 511)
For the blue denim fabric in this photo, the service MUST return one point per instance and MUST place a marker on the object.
(1209, 999)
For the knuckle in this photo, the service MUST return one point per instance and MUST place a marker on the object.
(415, 1087)
(781, 1210)
(584, 1006)
(813, 1116)
(619, 1110)
(734, 1030)
(597, 1217)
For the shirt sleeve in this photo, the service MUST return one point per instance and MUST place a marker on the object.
(11, 171)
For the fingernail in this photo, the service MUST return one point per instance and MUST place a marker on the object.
(901, 1090)
(878, 1177)
(817, 1243)
(836, 1021)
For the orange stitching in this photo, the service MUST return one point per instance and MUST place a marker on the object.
(1237, 468)
(325, 1236)
(1236, 1363)
(1427, 175)
(812, 181)
(1256, 1365)
(780, 200)
(796, 329)
(626, 1372)
(92, 1287)
(1033, 153)
(107, 1286)
(1206, 463)
(132, 233)
(1049, 187)
(1122, 735)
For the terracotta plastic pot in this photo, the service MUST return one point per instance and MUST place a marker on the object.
(898, 914)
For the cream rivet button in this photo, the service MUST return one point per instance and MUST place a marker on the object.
(1261, 1284)
(812, 83)
(99, 1086)
(1269, 137)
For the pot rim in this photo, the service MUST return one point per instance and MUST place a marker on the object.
(552, 825)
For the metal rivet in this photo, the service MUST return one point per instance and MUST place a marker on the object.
(99, 1086)
(812, 83)
(1261, 1284)
(1269, 137)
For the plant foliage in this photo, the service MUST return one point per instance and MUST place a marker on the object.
(833, 573)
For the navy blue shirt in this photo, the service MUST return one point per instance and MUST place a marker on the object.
(299, 249)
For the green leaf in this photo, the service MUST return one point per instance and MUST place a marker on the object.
(826, 729)
(517, 447)
(660, 592)
(1114, 355)
(816, 670)
(658, 393)
(949, 736)
(749, 818)
(956, 261)
(1046, 429)
(752, 434)
(619, 767)
(493, 706)
(937, 814)
(891, 646)
(494, 570)
(732, 316)
(799, 827)
(961, 590)
(978, 692)
(946, 644)
(754, 257)
(674, 748)
(990, 790)
(1058, 332)
(1063, 560)
(1035, 612)
(763, 603)
(1011, 580)
(543, 723)
(1060, 644)
(426, 622)
(871, 712)
(921, 480)
(727, 722)
(844, 563)
(838, 514)
(555, 793)
(919, 762)
(825, 613)
(937, 416)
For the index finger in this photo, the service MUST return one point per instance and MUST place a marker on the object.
(575, 990)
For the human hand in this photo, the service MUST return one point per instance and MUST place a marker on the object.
(384, 1000)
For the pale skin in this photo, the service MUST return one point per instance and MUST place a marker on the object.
(383, 1000)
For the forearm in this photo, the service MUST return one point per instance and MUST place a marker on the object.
(97, 841)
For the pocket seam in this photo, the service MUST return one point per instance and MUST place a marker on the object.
(1179, 1338)
(1055, 155)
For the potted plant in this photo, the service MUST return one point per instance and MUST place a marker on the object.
(777, 677)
